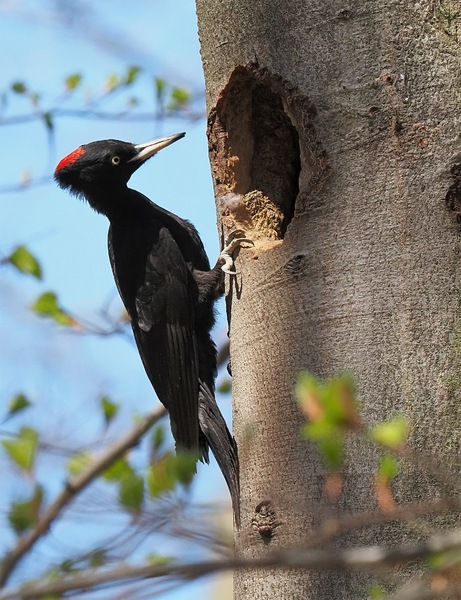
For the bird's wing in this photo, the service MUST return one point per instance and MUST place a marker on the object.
(162, 317)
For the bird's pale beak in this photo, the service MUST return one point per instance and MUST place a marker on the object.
(148, 149)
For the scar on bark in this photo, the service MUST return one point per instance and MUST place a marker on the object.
(453, 196)
(264, 521)
(266, 159)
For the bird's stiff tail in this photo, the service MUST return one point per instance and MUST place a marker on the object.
(221, 442)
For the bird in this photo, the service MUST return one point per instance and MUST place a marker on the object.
(165, 281)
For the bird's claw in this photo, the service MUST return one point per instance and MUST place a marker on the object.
(232, 243)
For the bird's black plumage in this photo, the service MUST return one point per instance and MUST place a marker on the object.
(165, 281)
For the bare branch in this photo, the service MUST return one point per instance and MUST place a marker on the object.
(74, 486)
(361, 558)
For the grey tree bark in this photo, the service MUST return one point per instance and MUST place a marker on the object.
(334, 142)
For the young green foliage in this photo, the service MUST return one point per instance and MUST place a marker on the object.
(159, 560)
(160, 88)
(131, 491)
(445, 560)
(73, 81)
(131, 75)
(23, 449)
(47, 117)
(130, 484)
(331, 410)
(180, 98)
(169, 471)
(225, 386)
(118, 470)
(25, 262)
(158, 438)
(19, 87)
(388, 467)
(392, 434)
(78, 463)
(47, 305)
(377, 592)
(17, 404)
(24, 515)
(109, 409)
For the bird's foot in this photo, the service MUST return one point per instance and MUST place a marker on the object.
(236, 239)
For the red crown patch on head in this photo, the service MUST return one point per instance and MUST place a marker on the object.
(70, 158)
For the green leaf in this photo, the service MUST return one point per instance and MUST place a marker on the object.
(18, 403)
(392, 433)
(131, 491)
(19, 87)
(159, 478)
(24, 261)
(97, 558)
(112, 83)
(183, 465)
(179, 98)
(73, 81)
(109, 409)
(67, 566)
(34, 98)
(118, 470)
(159, 559)
(23, 449)
(388, 467)
(171, 470)
(20, 517)
(24, 515)
(225, 387)
(318, 430)
(445, 560)
(158, 437)
(376, 592)
(160, 87)
(78, 463)
(131, 75)
(48, 120)
(330, 408)
(332, 451)
(331, 401)
(47, 305)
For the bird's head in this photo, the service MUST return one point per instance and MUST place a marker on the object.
(103, 167)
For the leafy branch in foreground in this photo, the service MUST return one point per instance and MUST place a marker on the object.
(332, 412)
(74, 485)
(367, 558)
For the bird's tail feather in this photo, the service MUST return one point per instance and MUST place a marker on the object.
(221, 442)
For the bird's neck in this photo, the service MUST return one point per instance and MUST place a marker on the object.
(117, 204)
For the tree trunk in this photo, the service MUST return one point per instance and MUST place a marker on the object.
(333, 131)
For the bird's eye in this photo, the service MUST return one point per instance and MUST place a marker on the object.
(115, 160)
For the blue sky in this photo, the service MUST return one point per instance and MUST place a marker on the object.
(62, 372)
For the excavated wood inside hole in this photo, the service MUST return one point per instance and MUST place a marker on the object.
(255, 153)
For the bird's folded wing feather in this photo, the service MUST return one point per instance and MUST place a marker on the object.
(163, 324)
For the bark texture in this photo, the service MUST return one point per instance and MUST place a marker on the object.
(334, 140)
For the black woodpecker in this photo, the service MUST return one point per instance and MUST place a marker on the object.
(164, 279)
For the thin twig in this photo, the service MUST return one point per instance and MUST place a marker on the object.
(331, 527)
(85, 113)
